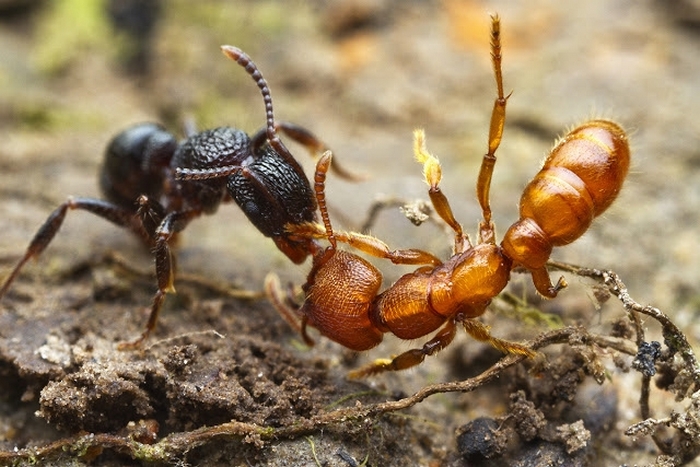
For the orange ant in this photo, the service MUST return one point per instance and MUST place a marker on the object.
(580, 178)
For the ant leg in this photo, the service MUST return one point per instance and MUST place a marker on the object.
(375, 247)
(543, 282)
(303, 136)
(172, 223)
(151, 214)
(281, 301)
(411, 357)
(113, 213)
(432, 172)
(315, 146)
(480, 332)
(367, 244)
(498, 118)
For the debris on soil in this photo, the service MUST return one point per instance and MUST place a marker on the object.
(223, 381)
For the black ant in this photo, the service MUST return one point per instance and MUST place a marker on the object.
(155, 186)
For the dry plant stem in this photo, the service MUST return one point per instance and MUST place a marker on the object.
(673, 336)
(416, 211)
(115, 259)
(380, 204)
(178, 444)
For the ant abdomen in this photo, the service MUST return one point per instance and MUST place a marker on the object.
(134, 162)
(580, 178)
(598, 153)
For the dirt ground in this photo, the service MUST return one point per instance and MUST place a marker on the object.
(224, 381)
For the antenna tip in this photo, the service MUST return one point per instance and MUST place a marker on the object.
(234, 53)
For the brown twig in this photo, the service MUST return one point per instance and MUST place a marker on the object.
(178, 444)
(682, 446)
(674, 337)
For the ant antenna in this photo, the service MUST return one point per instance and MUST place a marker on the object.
(322, 167)
(242, 58)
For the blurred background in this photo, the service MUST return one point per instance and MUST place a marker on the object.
(362, 75)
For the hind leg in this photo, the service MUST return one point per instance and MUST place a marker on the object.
(104, 209)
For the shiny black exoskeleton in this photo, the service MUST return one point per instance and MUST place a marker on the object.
(265, 181)
(155, 186)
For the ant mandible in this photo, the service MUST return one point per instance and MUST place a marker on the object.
(580, 178)
(155, 186)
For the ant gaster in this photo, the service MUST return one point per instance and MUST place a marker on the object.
(579, 180)
(154, 186)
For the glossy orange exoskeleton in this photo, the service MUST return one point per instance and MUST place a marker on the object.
(579, 180)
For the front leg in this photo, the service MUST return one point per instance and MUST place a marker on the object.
(151, 213)
(282, 302)
(165, 274)
(367, 244)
